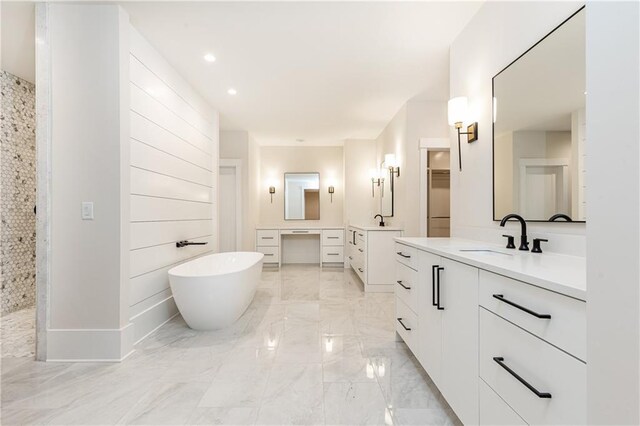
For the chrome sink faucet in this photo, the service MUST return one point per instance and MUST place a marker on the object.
(524, 243)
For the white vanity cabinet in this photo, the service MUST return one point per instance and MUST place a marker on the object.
(448, 329)
(501, 350)
(370, 251)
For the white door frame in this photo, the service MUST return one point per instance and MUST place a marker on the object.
(544, 162)
(425, 145)
(237, 165)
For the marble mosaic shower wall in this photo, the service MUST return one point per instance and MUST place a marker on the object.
(17, 193)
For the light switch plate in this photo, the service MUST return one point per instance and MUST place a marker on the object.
(87, 210)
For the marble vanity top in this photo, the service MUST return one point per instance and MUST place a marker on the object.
(376, 228)
(560, 273)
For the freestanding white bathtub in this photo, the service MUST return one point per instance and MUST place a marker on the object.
(213, 291)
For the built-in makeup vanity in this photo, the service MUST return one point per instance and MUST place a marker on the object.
(271, 241)
(501, 332)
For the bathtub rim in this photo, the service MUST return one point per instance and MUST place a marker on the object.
(175, 271)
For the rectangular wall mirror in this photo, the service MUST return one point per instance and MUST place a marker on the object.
(539, 129)
(302, 196)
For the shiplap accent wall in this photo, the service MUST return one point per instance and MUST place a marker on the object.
(174, 159)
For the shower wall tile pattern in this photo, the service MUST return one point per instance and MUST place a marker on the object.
(17, 193)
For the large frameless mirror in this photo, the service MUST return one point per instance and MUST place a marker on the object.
(302, 196)
(539, 129)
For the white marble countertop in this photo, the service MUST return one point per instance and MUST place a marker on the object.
(301, 227)
(560, 273)
(376, 228)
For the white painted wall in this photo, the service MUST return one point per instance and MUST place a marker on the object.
(494, 37)
(613, 231)
(238, 144)
(326, 160)
(415, 120)
(359, 158)
(174, 169)
(88, 282)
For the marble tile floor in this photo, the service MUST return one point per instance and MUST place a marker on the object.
(311, 349)
(18, 333)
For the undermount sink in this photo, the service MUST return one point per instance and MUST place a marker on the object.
(485, 251)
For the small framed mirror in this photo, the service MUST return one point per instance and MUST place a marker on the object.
(302, 196)
(386, 191)
(539, 126)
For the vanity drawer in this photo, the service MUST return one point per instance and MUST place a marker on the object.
(407, 325)
(543, 366)
(271, 254)
(332, 237)
(333, 254)
(407, 255)
(406, 288)
(567, 327)
(493, 409)
(361, 235)
(267, 237)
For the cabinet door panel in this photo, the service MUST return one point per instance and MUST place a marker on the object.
(429, 319)
(459, 298)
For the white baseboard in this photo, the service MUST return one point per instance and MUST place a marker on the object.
(149, 320)
(90, 345)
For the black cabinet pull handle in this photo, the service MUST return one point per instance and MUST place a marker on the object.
(501, 298)
(500, 361)
(300, 232)
(406, 256)
(440, 268)
(361, 250)
(403, 286)
(350, 257)
(433, 284)
(333, 254)
(267, 238)
(360, 269)
(402, 324)
(333, 238)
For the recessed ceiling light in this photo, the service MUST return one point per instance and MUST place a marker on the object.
(209, 57)
(232, 91)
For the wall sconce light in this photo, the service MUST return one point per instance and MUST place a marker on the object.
(272, 190)
(331, 191)
(458, 110)
(391, 162)
(376, 179)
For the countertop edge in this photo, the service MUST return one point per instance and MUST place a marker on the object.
(557, 287)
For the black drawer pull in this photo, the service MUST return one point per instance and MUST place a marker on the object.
(403, 286)
(402, 324)
(350, 257)
(300, 232)
(406, 256)
(268, 254)
(267, 238)
(360, 269)
(333, 254)
(500, 361)
(361, 250)
(438, 269)
(501, 298)
(360, 234)
(333, 238)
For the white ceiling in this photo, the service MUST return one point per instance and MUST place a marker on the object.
(18, 45)
(318, 71)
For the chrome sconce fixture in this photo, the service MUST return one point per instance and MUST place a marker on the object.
(272, 190)
(331, 191)
(376, 179)
(457, 112)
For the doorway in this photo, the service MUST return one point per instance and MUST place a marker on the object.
(230, 205)
(438, 195)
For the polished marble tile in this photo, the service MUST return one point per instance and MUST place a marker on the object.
(312, 348)
(18, 333)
